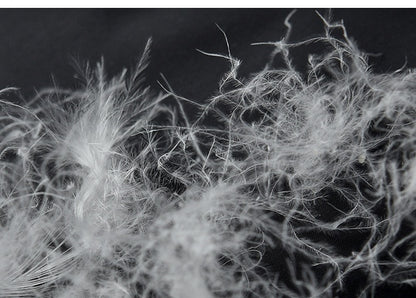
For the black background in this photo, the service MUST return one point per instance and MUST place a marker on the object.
(38, 45)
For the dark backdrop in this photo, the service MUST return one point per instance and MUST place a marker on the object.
(37, 47)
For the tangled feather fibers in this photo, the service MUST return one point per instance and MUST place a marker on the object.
(110, 191)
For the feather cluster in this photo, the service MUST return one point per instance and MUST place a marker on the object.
(113, 191)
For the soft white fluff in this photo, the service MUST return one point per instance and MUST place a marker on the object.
(99, 198)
